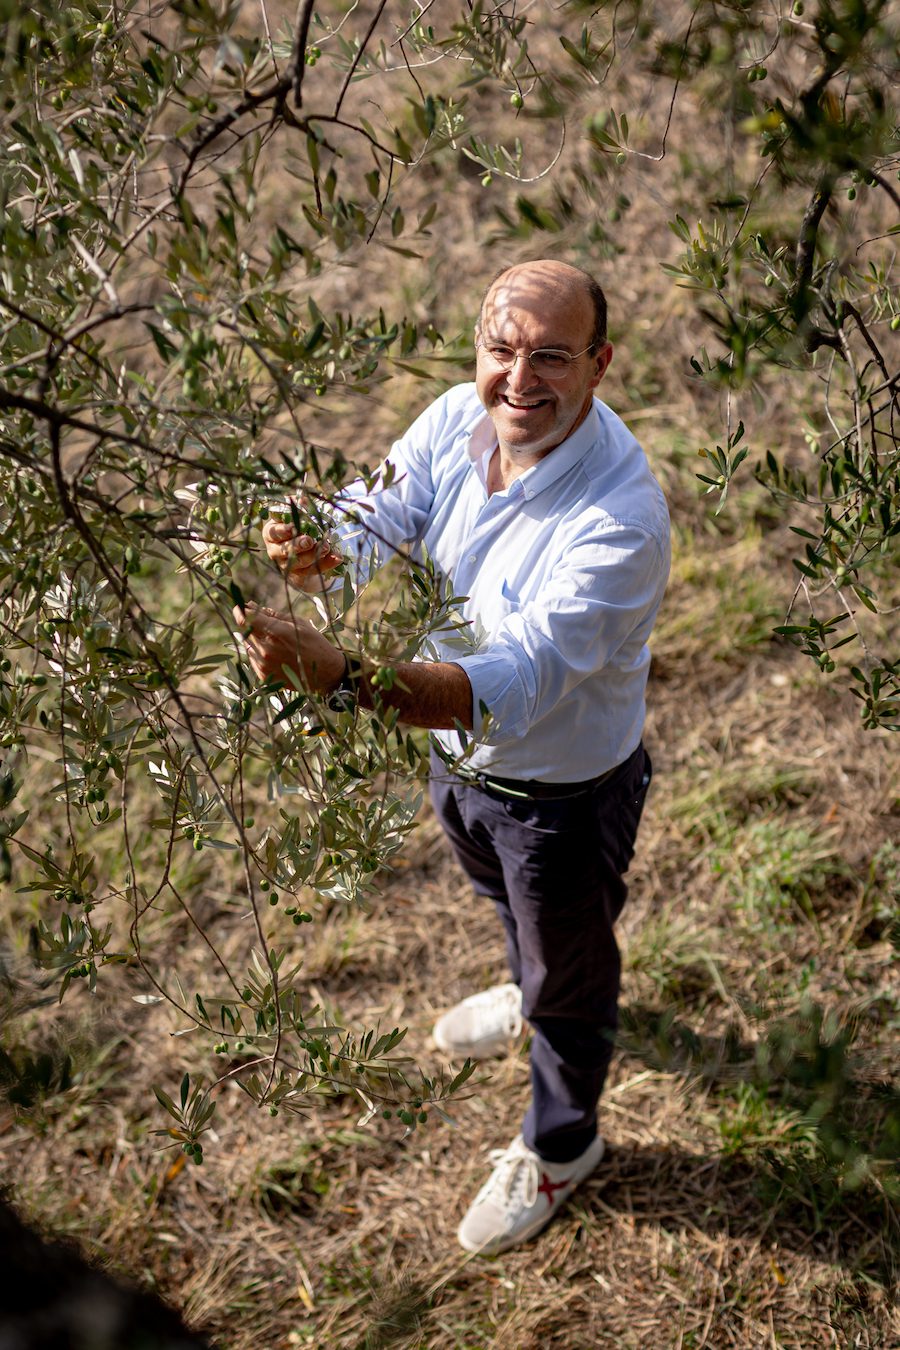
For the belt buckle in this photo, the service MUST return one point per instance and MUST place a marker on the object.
(489, 785)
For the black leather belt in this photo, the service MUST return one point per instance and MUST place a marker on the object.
(532, 789)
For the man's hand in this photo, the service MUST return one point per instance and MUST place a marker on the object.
(304, 561)
(277, 642)
(425, 694)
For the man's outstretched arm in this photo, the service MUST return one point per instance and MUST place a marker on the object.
(433, 694)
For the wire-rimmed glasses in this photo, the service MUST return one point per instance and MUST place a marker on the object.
(548, 363)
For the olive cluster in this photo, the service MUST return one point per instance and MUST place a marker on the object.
(407, 1117)
(194, 833)
(70, 895)
(311, 379)
(80, 972)
(296, 914)
(218, 561)
(194, 1150)
(859, 178)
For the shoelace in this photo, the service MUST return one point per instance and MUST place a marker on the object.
(517, 1170)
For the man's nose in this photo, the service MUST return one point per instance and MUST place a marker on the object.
(520, 375)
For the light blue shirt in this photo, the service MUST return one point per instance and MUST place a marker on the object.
(563, 573)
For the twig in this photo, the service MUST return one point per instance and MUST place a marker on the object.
(873, 348)
(297, 67)
(359, 55)
(806, 241)
(99, 272)
(883, 183)
(265, 20)
(423, 10)
(662, 153)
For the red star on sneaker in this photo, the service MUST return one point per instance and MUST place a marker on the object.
(547, 1187)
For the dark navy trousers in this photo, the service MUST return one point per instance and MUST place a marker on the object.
(554, 870)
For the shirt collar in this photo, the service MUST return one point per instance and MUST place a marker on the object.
(547, 470)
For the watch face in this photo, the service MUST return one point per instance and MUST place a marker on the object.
(342, 699)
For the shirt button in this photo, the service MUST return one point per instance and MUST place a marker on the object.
(473, 557)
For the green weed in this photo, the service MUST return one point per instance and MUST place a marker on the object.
(670, 953)
(776, 873)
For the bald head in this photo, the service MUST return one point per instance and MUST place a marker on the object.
(531, 284)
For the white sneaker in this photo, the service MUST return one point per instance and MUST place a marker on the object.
(521, 1196)
(483, 1025)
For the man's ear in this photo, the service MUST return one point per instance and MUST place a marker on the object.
(602, 359)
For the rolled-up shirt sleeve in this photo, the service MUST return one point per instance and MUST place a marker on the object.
(595, 613)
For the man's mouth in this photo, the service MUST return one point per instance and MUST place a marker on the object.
(523, 404)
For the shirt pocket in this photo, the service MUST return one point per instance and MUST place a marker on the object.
(490, 606)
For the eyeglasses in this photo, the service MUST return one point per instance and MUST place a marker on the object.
(547, 363)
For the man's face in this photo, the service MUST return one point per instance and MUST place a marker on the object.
(537, 305)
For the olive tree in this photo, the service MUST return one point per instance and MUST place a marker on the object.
(161, 346)
(167, 335)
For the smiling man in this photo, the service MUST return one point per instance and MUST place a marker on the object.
(537, 504)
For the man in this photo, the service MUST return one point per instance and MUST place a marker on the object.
(536, 503)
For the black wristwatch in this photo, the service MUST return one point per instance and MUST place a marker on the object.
(344, 695)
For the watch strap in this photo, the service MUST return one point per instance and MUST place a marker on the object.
(344, 695)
